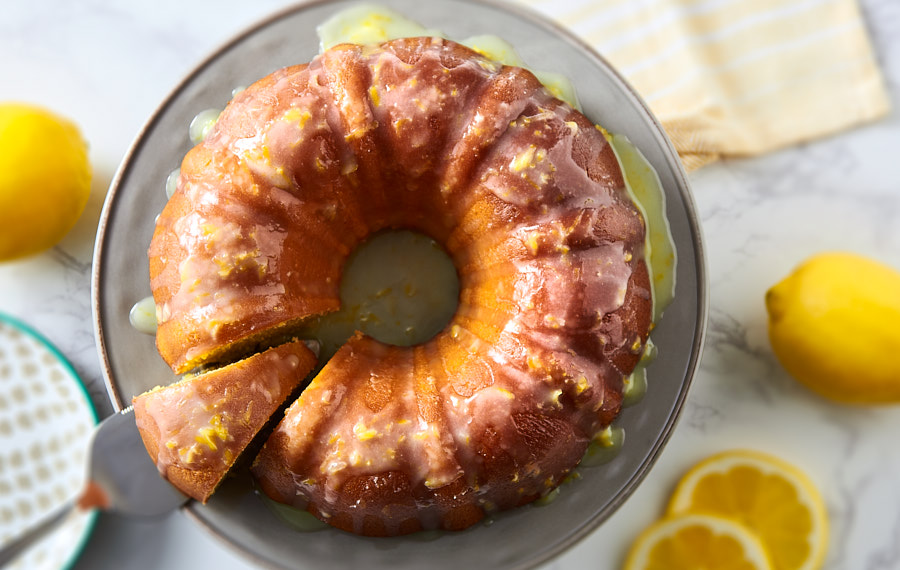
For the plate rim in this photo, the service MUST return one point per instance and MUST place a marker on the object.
(676, 168)
(86, 396)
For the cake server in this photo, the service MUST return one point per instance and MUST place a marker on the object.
(121, 477)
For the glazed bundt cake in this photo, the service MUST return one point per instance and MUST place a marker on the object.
(523, 192)
(195, 430)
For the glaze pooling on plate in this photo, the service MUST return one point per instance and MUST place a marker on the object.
(374, 24)
(46, 420)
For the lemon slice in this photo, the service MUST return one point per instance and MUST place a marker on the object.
(693, 541)
(766, 495)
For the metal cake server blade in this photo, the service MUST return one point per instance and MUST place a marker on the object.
(121, 477)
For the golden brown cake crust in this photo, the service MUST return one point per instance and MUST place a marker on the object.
(197, 429)
(527, 197)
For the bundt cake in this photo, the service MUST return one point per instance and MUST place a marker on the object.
(523, 192)
(196, 429)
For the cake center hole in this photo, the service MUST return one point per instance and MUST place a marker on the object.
(399, 287)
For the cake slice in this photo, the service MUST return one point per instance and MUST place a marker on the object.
(195, 429)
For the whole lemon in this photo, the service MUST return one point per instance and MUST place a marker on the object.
(834, 323)
(45, 179)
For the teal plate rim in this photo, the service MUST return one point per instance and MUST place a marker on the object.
(60, 357)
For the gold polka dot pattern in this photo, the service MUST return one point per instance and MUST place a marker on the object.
(45, 422)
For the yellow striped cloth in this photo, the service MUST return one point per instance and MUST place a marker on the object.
(736, 77)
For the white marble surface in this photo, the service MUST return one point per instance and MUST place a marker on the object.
(108, 65)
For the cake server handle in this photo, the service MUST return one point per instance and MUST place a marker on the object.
(11, 551)
(121, 477)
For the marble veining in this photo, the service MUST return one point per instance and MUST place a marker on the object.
(107, 65)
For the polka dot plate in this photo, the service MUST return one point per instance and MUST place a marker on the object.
(46, 419)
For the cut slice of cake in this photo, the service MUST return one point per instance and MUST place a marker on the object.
(196, 429)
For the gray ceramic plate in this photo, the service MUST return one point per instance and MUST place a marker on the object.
(520, 538)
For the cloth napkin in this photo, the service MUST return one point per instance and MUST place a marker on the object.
(736, 77)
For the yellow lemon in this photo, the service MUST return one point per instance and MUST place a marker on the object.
(833, 324)
(691, 541)
(45, 179)
(772, 499)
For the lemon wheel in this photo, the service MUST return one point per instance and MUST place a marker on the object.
(769, 497)
(693, 541)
